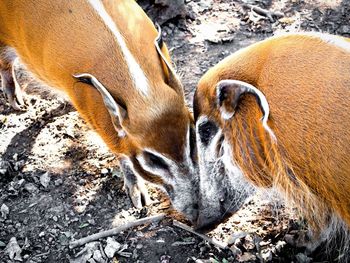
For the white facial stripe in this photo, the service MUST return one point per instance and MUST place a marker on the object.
(138, 76)
(187, 152)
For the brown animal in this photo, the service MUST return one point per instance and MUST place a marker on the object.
(108, 57)
(276, 115)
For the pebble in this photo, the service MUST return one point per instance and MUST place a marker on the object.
(267, 256)
(20, 182)
(344, 29)
(280, 244)
(13, 250)
(45, 179)
(139, 246)
(236, 236)
(104, 171)
(41, 234)
(112, 247)
(98, 257)
(58, 182)
(4, 211)
(31, 188)
(55, 218)
(247, 257)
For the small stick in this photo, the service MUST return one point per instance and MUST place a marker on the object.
(264, 12)
(210, 240)
(115, 231)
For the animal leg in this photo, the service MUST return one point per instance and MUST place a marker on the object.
(9, 83)
(134, 185)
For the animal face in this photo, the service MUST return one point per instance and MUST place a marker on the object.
(223, 188)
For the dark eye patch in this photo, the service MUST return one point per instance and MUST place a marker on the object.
(207, 131)
(155, 161)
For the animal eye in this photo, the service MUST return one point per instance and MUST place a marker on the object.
(207, 131)
(155, 161)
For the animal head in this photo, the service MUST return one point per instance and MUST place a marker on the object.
(305, 161)
(155, 131)
(223, 186)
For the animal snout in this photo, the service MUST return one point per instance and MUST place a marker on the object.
(192, 213)
(205, 222)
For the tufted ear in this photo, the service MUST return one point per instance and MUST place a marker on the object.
(117, 111)
(172, 79)
(228, 93)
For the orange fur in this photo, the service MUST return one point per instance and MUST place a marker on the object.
(307, 84)
(56, 39)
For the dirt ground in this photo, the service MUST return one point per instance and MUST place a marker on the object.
(58, 181)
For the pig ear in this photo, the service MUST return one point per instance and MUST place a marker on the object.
(117, 111)
(228, 93)
(172, 79)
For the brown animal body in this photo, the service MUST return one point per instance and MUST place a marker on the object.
(108, 57)
(301, 83)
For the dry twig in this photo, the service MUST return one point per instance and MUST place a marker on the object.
(210, 240)
(115, 231)
(264, 12)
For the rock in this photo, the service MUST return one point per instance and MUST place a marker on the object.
(267, 256)
(4, 211)
(344, 29)
(91, 221)
(13, 250)
(280, 244)
(104, 171)
(247, 257)
(2, 244)
(112, 247)
(45, 179)
(205, 5)
(20, 183)
(31, 188)
(165, 259)
(87, 253)
(139, 246)
(98, 257)
(236, 236)
(249, 243)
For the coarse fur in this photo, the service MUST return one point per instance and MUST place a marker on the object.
(306, 80)
(103, 54)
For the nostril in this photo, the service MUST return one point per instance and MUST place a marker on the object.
(195, 206)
